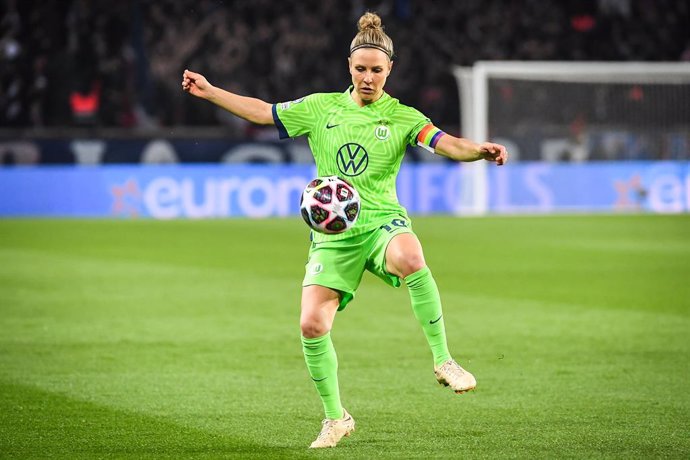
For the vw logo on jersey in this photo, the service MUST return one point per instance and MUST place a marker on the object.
(352, 159)
(382, 132)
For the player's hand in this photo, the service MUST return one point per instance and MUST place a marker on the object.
(493, 152)
(195, 84)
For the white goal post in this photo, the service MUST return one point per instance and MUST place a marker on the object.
(572, 111)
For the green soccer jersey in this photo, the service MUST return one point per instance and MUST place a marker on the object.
(363, 145)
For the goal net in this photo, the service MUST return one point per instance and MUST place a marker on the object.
(575, 112)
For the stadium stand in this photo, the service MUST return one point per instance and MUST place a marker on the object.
(118, 64)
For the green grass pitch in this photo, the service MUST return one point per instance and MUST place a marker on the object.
(144, 339)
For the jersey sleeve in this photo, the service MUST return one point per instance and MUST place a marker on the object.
(296, 118)
(423, 133)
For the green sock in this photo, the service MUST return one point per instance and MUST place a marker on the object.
(322, 364)
(426, 304)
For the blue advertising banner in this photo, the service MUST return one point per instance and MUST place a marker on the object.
(256, 191)
(662, 187)
(160, 192)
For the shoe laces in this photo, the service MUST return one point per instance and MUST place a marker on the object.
(326, 426)
(454, 369)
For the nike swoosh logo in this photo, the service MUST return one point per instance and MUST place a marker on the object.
(436, 320)
(329, 126)
(319, 380)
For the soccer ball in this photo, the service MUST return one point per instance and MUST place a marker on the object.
(329, 205)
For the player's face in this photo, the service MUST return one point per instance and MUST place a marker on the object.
(369, 68)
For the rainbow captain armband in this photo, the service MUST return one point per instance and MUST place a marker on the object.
(429, 136)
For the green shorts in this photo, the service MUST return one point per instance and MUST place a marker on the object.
(339, 265)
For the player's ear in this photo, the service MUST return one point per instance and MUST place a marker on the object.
(390, 67)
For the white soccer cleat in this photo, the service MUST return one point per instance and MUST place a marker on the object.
(333, 431)
(451, 374)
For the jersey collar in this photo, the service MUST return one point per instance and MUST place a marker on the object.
(348, 98)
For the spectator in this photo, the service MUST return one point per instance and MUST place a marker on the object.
(44, 44)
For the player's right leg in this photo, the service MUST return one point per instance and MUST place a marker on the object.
(319, 306)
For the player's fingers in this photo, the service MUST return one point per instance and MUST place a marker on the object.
(502, 158)
(495, 152)
(491, 151)
(499, 151)
(191, 75)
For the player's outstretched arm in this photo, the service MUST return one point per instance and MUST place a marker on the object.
(460, 149)
(249, 108)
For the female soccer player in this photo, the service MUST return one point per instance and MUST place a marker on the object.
(360, 135)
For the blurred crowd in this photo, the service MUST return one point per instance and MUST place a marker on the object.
(119, 64)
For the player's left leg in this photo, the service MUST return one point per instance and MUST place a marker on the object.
(405, 259)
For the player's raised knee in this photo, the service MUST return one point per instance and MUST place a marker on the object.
(403, 264)
(411, 264)
(312, 328)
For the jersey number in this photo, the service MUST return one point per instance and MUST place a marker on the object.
(395, 223)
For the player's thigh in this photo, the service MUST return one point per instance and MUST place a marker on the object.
(404, 255)
(337, 265)
(385, 236)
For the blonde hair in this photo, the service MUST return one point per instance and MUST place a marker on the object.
(371, 35)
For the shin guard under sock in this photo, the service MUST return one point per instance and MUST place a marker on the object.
(426, 304)
(322, 363)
